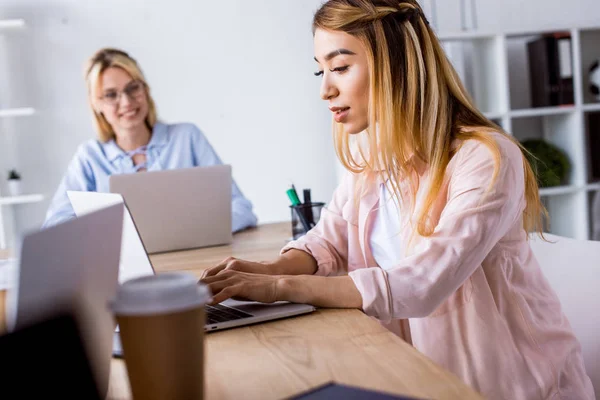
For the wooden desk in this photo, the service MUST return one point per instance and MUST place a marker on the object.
(278, 359)
(281, 358)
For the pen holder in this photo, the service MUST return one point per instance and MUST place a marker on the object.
(305, 217)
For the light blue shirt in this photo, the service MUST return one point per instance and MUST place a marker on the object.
(171, 147)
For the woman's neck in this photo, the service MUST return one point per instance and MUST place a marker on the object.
(131, 139)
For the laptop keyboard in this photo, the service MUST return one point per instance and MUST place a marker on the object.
(221, 313)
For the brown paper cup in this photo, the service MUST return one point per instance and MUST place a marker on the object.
(161, 322)
(3, 313)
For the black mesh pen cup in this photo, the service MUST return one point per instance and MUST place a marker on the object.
(304, 218)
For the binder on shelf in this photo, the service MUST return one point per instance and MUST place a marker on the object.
(593, 146)
(551, 70)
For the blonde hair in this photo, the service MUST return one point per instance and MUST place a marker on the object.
(95, 67)
(417, 102)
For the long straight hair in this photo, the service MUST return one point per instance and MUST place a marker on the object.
(418, 105)
(99, 62)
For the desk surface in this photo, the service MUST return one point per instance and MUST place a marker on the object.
(278, 359)
(281, 358)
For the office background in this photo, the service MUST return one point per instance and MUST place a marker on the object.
(240, 70)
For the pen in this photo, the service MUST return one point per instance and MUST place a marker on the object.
(308, 209)
(293, 196)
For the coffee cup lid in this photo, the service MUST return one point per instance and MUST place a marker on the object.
(160, 294)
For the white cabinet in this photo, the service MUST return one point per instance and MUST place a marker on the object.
(8, 112)
(495, 69)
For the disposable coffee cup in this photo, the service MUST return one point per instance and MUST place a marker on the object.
(161, 323)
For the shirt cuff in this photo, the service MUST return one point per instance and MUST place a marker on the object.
(310, 244)
(372, 283)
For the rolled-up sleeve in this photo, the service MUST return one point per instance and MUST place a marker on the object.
(327, 242)
(474, 219)
(79, 177)
(242, 215)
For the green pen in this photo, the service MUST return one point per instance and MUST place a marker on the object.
(293, 196)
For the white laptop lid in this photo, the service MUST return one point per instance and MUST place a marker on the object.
(179, 209)
(134, 259)
(73, 267)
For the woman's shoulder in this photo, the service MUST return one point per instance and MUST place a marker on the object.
(476, 149)
(90, 149)
(183, 130)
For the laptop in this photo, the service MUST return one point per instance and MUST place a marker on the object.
(225, 315)
(72, 268)
(134, 260)
(179, 209)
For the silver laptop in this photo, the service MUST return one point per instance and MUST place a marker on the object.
(134, 260)
(72, 267)
(228, 314)
(179, 209)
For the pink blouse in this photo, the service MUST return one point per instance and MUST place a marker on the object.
(472, 296)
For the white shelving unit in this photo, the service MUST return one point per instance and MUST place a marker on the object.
(495, 69)
(6, 203)
(16, 112)
(6, 24)
(27, 198)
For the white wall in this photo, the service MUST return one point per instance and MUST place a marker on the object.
(241, 70)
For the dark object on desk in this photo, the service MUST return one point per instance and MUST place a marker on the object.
(593, 145)
(50, 358)
(299, 212)
(550, 164)
(308, 210)
(336, 391)
(551, 70)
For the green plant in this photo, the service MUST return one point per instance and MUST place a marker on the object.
(13, 174)
(550, 164)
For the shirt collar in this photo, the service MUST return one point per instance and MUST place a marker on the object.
(159, 138)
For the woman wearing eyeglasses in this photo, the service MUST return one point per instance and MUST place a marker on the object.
(131, 139)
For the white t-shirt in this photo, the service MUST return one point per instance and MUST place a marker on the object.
(385, 236)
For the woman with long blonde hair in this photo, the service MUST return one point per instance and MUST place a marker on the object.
(131, 139)
(428, 232)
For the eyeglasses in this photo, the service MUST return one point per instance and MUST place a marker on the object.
(133, 90)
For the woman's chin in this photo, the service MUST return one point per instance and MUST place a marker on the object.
(131, 123)
(353, 129)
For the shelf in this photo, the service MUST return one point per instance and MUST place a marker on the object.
(455, 36)
(6, 24)
(494, 115)
(592, 187)
(16, 112)
(542, 111)
(591, 107)
(24, 199)
(558, 190)
(448, 37)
